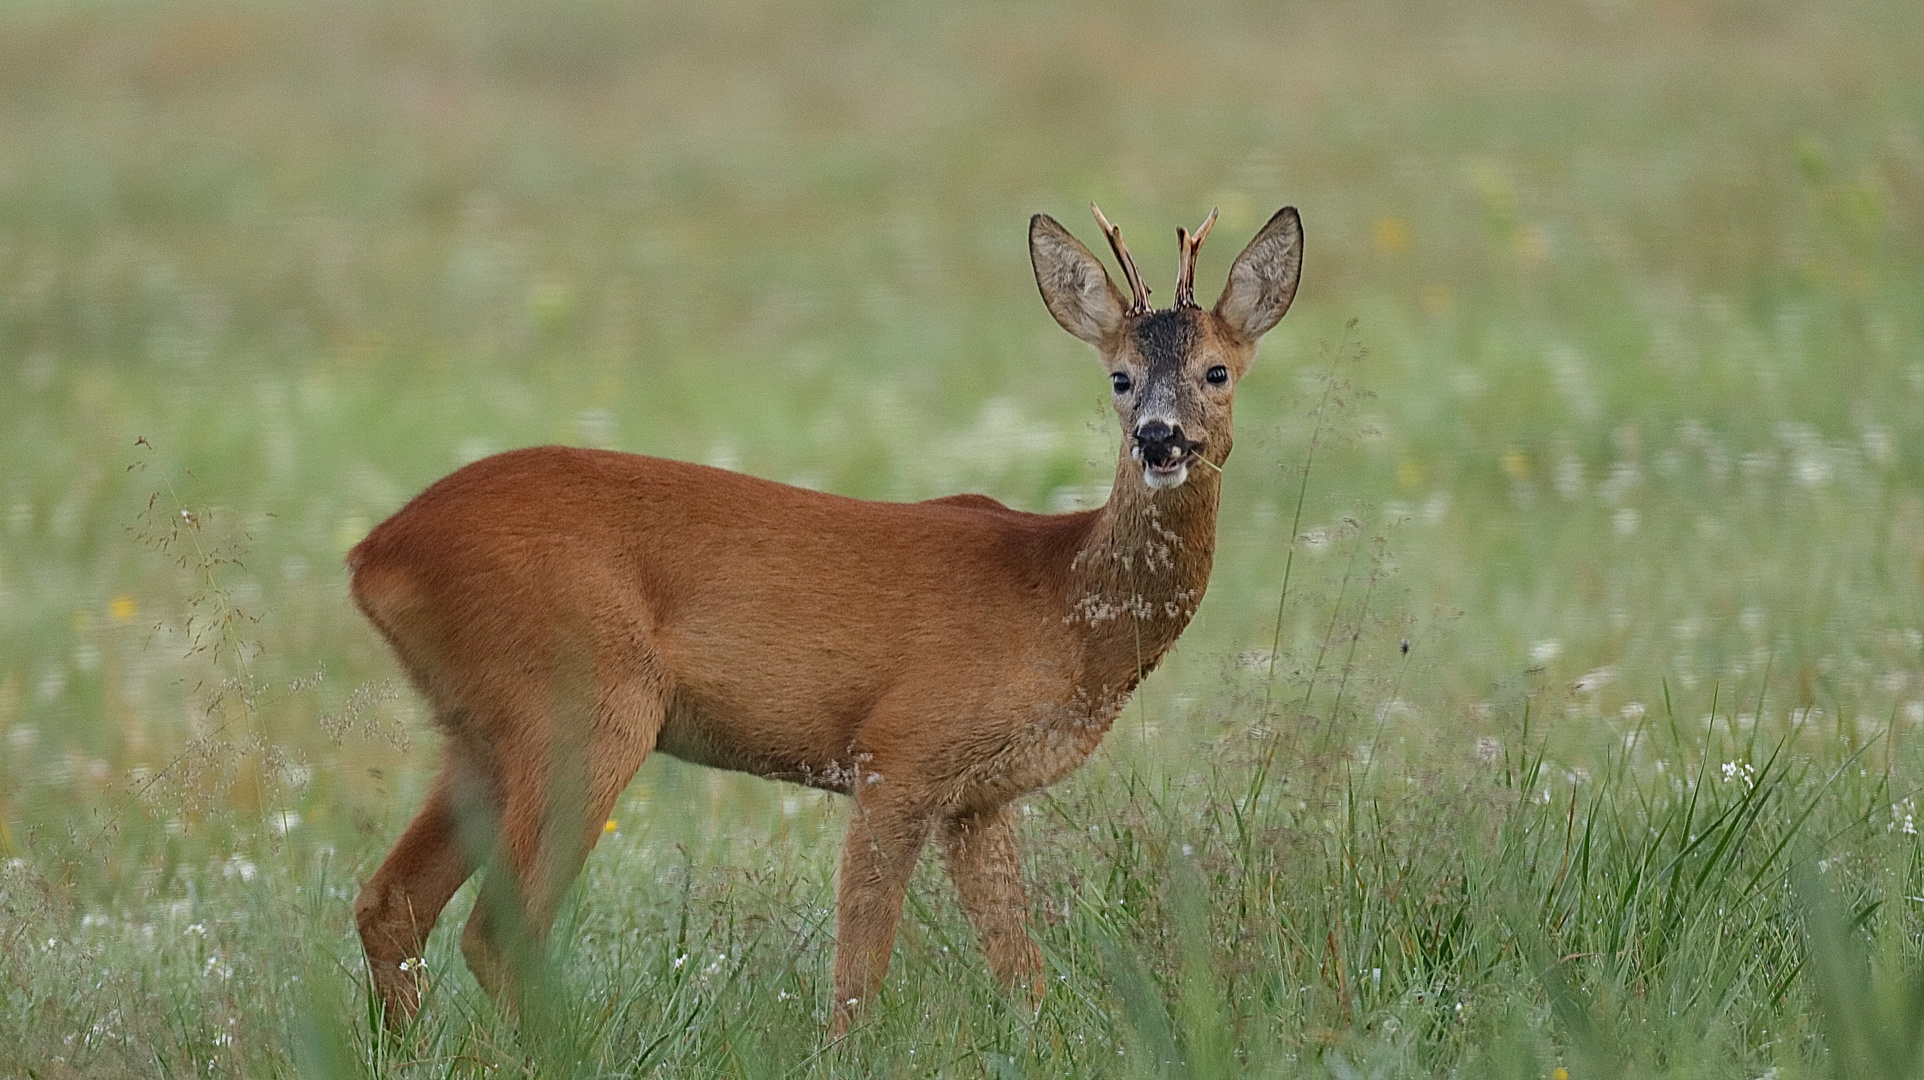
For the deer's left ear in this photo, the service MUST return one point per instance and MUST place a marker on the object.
(1262, 281)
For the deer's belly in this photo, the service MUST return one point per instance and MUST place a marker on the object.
(774, 750)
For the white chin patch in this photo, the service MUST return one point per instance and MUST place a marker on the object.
(1162, 479)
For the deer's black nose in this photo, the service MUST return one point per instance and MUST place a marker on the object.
(1161, 443)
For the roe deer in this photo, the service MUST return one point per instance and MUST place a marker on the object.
(567, 611)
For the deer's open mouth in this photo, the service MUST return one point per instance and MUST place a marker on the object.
(1166, 474)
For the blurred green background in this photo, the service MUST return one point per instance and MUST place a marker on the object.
(1641, 288)
(1610, 345)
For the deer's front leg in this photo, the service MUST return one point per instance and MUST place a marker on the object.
(885, 835)
(986, 866)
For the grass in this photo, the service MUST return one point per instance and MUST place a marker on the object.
(1560, 710)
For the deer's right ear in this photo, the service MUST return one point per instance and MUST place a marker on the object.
(1073, 282)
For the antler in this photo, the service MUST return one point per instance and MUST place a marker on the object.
(1186, 269)
(1139, 302)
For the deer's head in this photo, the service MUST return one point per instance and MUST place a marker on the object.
(1173, 371)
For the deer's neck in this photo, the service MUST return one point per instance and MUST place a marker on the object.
(1137, 578)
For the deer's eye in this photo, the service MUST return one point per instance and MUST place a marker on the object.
(1217, 375)
(1120, 380)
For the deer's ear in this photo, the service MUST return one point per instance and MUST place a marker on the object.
(1073, 282)
(1262, 281)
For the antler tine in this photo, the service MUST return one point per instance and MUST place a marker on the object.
(1139, 292)
(1188, 246)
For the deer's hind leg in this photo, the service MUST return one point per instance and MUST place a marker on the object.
(397, 907)
(553, 799)
(979, 848)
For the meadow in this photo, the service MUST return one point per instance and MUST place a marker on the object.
(1555, 708)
